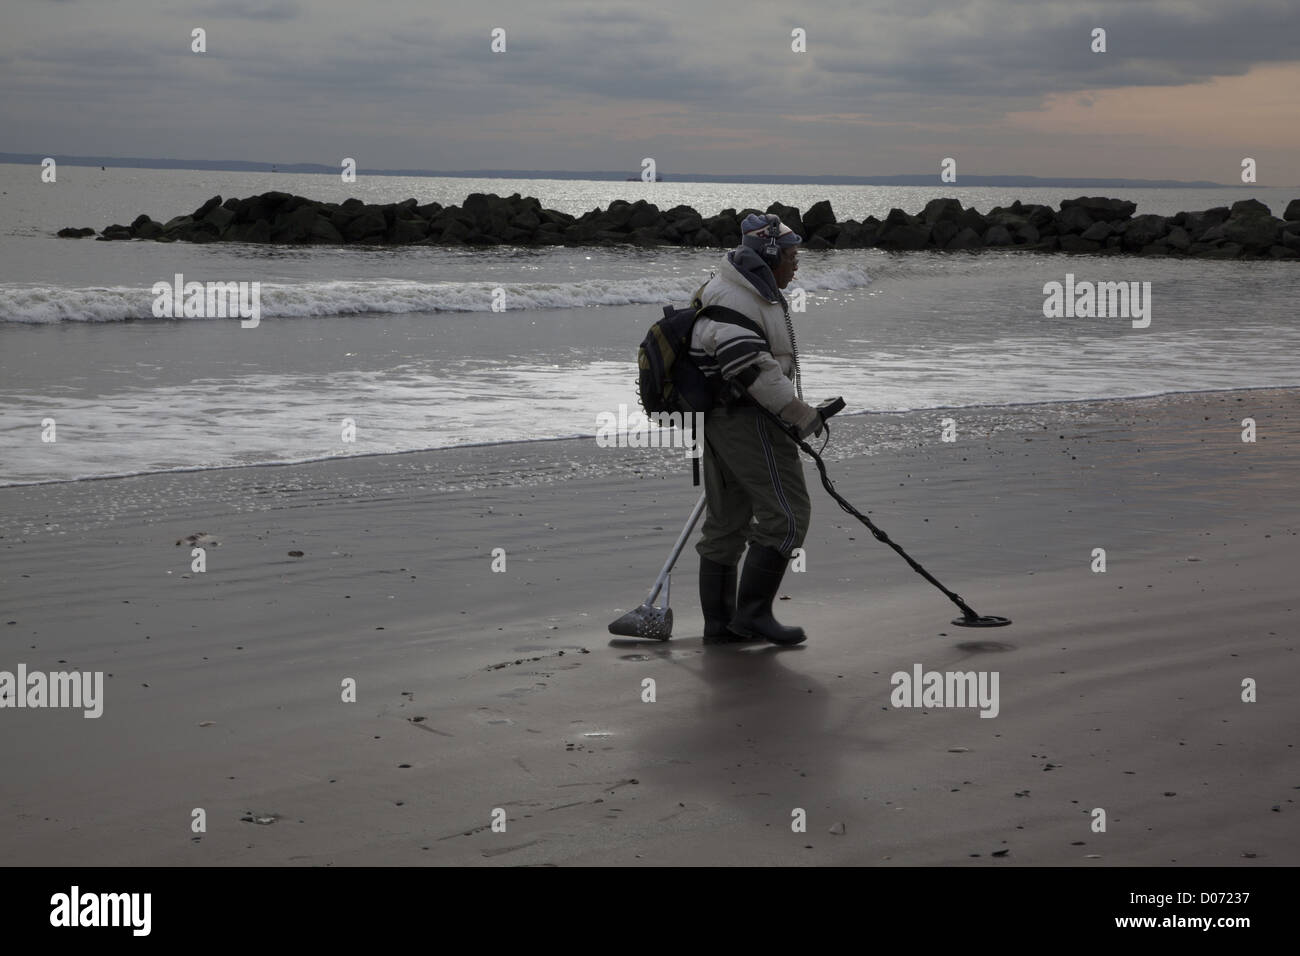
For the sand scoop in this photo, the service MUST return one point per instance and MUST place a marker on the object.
(648, 621)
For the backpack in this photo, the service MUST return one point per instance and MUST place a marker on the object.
(669, 380)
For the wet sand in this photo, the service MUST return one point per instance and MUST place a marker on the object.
(478, 690)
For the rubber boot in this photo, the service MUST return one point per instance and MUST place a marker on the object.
(759, 582)
(718, 601)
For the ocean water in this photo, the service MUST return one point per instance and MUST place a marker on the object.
(403, 342)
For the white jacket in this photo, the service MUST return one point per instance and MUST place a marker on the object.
(745, 283)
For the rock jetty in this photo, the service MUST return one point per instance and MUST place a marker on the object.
(1247, 230)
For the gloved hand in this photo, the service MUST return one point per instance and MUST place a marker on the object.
(805, 419)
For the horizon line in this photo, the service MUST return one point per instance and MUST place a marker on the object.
(826, 179)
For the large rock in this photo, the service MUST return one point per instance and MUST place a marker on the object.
(1250, 207)
(147, 229)
(645, 236)
(407, 231)
(818, 216)
(615, 216)
(199, 232)
(1252, 229)
(1143, 231)
(1101, 209)
(488, 209)
(452, 231)
(1038, 215)
(259, 231)
(1073, 219)
(294, 226)
(1292, 213)
(942, 210)
(1011, 219)
(213, 203)
(790, 216)
(518, 237)
(851, 235)
(264, 206)
(943, 231)
(1178, 239)
(644, 214)
(972, 219)
(998, 235)
(687, 222)
(1196, 223)
(452, 214)
(828, 232)
(905, 236)
(219, 216)
(555, 217)
(323, 231)
(527, 221)
(1098, 232)
(724, 228)
(73, 232)
(966, 238)
(366, 226)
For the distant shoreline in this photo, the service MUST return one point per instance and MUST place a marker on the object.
(241, 166)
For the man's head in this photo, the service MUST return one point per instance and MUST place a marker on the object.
(776, 242)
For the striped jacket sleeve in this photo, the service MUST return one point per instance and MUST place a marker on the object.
(725, 349)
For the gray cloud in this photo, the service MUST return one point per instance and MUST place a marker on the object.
(250, 10)
(416, 80)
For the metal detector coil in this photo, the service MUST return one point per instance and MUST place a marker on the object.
(982, 620)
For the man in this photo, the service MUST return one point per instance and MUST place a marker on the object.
(753, 477)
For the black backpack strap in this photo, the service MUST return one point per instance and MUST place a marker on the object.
(720, 313)
(725, 395)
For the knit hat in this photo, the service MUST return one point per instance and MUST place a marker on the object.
(755, 232)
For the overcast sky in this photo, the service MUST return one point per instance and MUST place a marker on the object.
(1186, 89)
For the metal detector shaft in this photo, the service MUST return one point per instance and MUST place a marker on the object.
(967, 611)
(691, 522)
